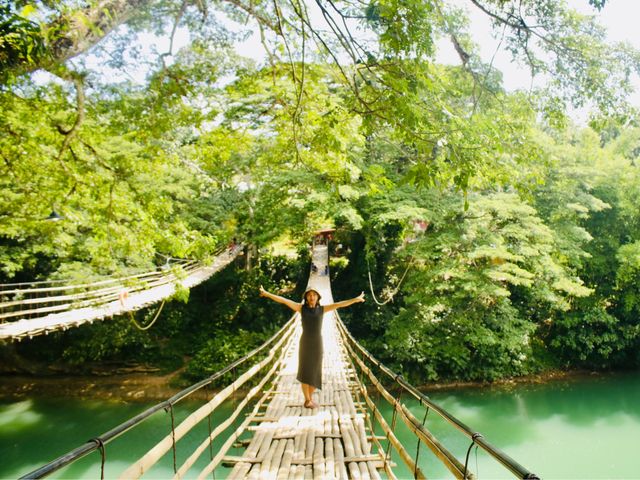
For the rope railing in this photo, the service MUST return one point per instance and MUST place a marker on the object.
(99, 442)
(455, 466)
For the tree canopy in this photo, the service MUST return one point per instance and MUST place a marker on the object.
(530, 242)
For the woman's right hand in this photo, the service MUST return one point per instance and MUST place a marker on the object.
(263, 292)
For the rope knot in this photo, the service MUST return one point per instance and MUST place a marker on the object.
(476, 436)
(98, 441)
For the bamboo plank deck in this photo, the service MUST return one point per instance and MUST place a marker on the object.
(293, 442)
(135, 301)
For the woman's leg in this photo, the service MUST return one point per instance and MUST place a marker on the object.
(305, 392)
(311, 390)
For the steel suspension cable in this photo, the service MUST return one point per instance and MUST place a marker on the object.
(497, 454)
(93, 445)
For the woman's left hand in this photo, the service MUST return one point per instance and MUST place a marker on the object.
(360, 298)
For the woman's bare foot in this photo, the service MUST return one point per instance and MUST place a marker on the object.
(308, 403)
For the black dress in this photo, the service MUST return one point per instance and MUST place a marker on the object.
(310, 353)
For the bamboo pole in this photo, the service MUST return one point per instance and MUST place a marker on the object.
(137, 469)
(254, 473)
(310, 446)
(232, 438)
(408, 460)
(349, 450)
(81, 285)
(93, 295)
(301, 444)
(94, 299)
(376, 441)
(243, 471)
(447, 458)
(287, 457)
(268, 458)
(53, 318)
(223, 426)
(328, 455)
(61, 298)
(298, 472)
(278, 459)
(318, 460)
(341, 468)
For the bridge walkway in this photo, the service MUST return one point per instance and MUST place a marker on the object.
(46, 307)
(281, 439)
(332, 441)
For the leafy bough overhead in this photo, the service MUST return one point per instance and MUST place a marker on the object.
(378, 58)
(349, 122)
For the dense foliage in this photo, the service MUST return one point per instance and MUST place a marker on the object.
(223, 320)
(520, 280)
(507, 236)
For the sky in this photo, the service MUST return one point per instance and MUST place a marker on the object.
(619, 17)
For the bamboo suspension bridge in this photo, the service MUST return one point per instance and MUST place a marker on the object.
(346, 437)
(43, 307)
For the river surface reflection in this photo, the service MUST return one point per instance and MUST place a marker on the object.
(584, 428)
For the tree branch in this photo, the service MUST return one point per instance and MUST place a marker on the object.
(277, 28)
(75, 32)
(80, 99)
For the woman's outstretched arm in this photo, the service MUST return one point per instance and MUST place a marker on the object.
(276, 298)
(344, 303)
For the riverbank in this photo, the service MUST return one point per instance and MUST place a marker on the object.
(504, 383)
(145, 386)
(129, 387)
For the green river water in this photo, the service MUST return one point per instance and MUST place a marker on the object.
(575, 429)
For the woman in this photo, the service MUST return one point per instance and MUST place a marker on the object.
(310, 353)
